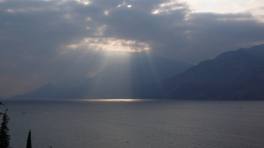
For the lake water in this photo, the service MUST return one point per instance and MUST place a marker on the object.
(137, 124)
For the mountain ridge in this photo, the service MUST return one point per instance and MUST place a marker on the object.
(117, 80)
(230, 76)
(233, 75)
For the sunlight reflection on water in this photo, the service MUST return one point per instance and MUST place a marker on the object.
(116, 100)
(163, 124)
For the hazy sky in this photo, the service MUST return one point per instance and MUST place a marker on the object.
(44, 41)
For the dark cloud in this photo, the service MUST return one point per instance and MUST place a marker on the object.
(35, 36)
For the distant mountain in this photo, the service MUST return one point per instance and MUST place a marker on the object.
(234, 75)
(120, 80)
(230, 76)
(48, 91)
(257, 51)
(117, 80)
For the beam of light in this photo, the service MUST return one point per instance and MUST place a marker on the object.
(154, 72)
(115, 80)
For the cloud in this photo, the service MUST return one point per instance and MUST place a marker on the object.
(110, 44)
(48, 41)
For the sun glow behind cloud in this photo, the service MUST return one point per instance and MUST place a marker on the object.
(168, 7)
(84, 2)
(110, 44)
(124, 4)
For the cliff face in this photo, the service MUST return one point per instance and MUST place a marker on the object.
(231, 75)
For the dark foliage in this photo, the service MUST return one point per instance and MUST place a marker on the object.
(29, 140)
(4, 132)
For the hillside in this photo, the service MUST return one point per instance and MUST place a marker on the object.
(230, 76)
(233, 75)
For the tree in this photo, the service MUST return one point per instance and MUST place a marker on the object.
(29, 140)
(1, 104)
(4, 132)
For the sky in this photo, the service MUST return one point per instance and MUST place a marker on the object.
(47, 41)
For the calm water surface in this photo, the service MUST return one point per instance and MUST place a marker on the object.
(138, 124)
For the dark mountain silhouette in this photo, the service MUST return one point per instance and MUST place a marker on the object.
(232, 75)
(117, 80)
(257, 51)
(120, 80)
(47, 91)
